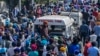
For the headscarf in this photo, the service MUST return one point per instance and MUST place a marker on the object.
(44, 42)
(62, 49)
(34, 47)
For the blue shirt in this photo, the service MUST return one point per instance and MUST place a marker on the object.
(84, 28)
(93, 51)
(33, 53)
(97, 30)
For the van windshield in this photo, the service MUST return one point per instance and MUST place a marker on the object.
(52, 28)
(56, 28)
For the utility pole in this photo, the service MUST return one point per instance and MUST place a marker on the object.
(20, 5)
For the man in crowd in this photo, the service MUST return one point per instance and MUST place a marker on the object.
(84, 31)
(93, 51)
(45, 29)
(97, 32)
(20, 33)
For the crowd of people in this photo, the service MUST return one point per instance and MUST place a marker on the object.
(17, 36)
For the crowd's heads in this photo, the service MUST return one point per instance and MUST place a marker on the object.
(14, 44)
(33, 41)
(97, 22)
(75, 40)
(3, 50)
(94, 43)
(87, 40)
(18, 44)
(49, 47)
(45, 23)
(22, 49)
(84, 22)
(17, 51)
(51, 40)
(44, 42)
(92, 32)
(33, 47)
(60, 42)
(63, 49)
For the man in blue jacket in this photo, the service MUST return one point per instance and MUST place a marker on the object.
(84, 31)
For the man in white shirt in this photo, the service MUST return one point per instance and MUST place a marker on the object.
(93, 37)
(10, 51)
(93, 51)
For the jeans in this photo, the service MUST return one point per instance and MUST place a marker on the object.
(83, 37)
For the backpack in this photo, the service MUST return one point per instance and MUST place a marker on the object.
(73, 48)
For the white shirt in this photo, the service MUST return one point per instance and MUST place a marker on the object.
(44, 51)
(10, 51)
(3, 21)
(93, 51)
(56, 50)
(93, 37)
(93, 18)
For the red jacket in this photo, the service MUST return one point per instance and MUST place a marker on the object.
(87, 45)
(95, 14)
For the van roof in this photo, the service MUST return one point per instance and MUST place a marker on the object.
(65, 19)
(79, 14)
(53, 17)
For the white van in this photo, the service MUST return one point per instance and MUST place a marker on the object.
(77, 16)
(61, 24)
